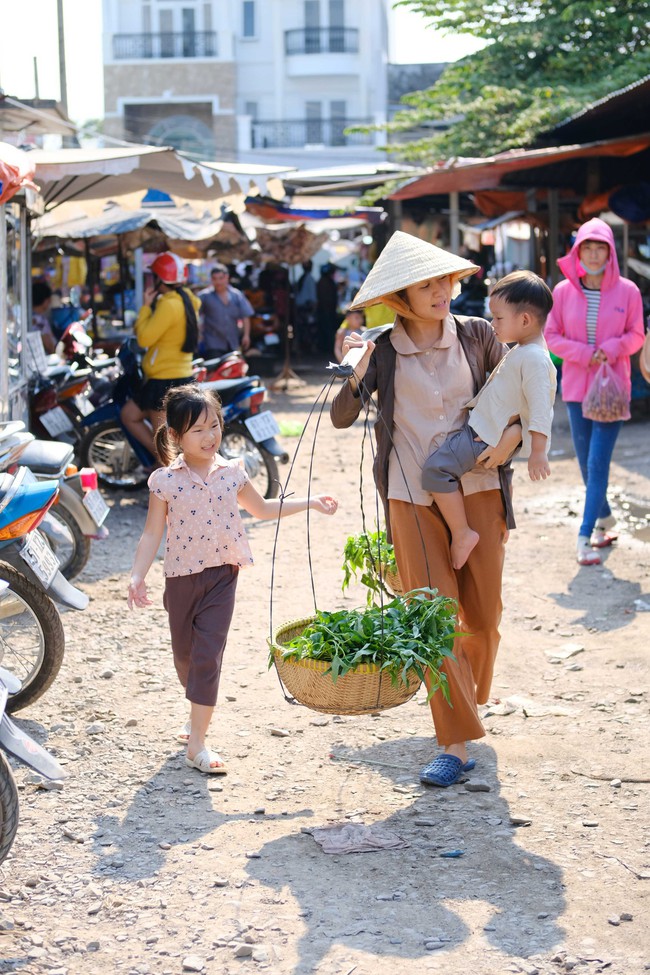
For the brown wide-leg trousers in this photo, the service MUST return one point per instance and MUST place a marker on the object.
(200, 608)
(477, 587)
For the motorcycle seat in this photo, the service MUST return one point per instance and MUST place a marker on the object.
(47, 457)
(58, 373)
(227, 389)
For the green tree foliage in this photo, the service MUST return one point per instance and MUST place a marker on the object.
(543, 60)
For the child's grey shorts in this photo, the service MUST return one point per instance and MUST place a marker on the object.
(455, 457)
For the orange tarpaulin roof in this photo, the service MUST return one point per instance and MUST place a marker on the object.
(469, 175)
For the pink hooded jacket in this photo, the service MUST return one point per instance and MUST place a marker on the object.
(619, 330)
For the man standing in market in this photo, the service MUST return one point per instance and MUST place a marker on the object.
(222, 309)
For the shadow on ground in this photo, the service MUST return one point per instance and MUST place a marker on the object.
(498, 894)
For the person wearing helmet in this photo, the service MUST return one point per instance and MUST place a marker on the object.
(167, 327)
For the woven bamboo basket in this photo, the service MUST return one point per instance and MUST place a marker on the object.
(392, 581)
(364, 690)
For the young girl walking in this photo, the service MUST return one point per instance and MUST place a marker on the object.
(196, 495)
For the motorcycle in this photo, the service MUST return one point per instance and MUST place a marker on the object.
(32, 640)
(122, 461)
(79, 513)
(15, 742)
(24, 503)
(232, 365)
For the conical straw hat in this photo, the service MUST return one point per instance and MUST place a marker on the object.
(404, 261)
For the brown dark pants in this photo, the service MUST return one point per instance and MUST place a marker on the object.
(200, 608)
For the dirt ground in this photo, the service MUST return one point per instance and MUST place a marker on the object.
(140, 865)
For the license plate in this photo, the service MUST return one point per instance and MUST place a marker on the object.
(96, 506)
(84, 405)
(40, 557)
(56, 421)
(262, 426)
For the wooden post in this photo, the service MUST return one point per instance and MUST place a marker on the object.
(531, 206)
(552, 197)
(454, 222)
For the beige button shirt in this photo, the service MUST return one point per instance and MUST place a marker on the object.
(432, 388)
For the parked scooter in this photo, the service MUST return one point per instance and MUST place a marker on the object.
(80, 511)
(23, 505)
(15, 742)
(232, 365)
(122, 461)
(32, 640)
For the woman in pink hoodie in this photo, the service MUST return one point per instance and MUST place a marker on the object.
(597, 317)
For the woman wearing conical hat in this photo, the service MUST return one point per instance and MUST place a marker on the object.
(423, 372)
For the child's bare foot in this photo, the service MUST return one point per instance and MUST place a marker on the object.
(462, 544)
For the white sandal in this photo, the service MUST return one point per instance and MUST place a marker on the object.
(183, 736)
(585, 554)
(203, 762)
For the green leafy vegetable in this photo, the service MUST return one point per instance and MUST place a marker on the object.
(368, 557)
(415, 631)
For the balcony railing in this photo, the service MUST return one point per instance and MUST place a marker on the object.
(194, 44)
(322, 40)
(294, 133)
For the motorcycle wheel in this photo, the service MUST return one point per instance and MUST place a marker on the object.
(32, 641)
(67, 541)
(8, 808)
(259, 463)
(106, 448)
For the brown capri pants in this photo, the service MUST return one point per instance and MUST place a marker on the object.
(200, 608)
(477, 587)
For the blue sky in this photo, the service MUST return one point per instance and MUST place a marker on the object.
(34, 35)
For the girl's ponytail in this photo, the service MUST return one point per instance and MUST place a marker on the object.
(165, 447)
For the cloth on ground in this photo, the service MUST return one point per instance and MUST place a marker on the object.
(356, 838)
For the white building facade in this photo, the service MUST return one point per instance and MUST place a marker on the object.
(243, 79)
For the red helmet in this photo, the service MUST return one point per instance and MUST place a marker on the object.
(169, 268)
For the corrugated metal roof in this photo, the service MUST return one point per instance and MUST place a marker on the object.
(622, 112)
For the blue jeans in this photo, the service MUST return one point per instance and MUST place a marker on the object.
(594, 445)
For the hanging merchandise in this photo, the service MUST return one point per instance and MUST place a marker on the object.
(289, 245)
(364, 660)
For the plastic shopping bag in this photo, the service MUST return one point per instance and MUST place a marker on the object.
(606, 399)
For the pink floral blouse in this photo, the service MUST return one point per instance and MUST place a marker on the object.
(204, 526)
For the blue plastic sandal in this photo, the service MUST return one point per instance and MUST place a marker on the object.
(445, 770)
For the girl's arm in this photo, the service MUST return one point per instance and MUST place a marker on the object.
(253, 502)
(146, 551)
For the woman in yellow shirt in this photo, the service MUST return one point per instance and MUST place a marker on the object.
(167, 327)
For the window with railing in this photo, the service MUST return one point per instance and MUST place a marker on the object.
(169, 44)
(295, 133)
(322, 40)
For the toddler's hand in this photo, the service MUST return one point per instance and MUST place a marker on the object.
(538, 468)
(325, 504)
(137, 593)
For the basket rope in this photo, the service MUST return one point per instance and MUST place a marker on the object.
(368, 400)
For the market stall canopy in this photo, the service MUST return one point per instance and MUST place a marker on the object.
(246, 175)
(621, 113)
(44, 117)
(275, 211)
(356, 178)
(156, 228)
(16, 171)
(549, 165)
(89, 174)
